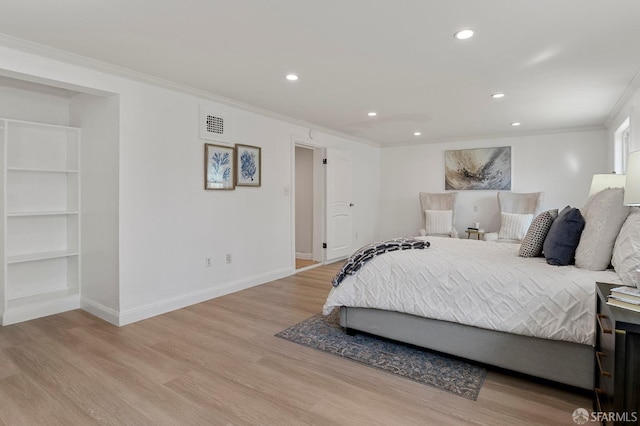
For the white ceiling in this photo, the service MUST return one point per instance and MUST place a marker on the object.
(562, 64)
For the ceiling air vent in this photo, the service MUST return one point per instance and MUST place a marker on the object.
(214, 124)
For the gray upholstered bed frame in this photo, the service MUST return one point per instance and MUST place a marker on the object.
(563, 362)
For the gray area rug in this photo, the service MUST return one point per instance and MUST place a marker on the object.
(423, 366)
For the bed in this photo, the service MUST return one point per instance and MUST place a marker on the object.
(481, 301)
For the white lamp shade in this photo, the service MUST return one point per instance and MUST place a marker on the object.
(632, 187)
(600, 182)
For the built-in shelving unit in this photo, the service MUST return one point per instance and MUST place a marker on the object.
(41, 220)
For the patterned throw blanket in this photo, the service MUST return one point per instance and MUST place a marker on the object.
(368, 252)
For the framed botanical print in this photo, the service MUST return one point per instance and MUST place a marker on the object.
(248, 165)
(219, 167)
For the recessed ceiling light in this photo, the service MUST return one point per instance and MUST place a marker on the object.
(417, 133)
(516, 124)
(497, 95)
(372, 114)
(463, 34)
(292, 77)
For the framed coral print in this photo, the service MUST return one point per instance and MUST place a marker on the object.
(249, 165)
(219, 167)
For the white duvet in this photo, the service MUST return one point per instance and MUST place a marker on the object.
(478, 283)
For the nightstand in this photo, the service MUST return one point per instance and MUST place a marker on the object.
(479, 233)
(617, 352)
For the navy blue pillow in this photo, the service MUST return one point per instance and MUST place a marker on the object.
(564, 235)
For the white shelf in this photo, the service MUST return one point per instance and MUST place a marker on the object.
(39, 170)
(42, 213)
(33, 257)
(42, 298)
(40, 229)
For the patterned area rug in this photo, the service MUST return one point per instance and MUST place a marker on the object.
(449, 374)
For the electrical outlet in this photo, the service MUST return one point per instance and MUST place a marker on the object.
(228, 258)
(475, 209)
(208, 262)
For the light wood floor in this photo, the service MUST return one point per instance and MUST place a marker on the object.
(218, 363)
(303, 263)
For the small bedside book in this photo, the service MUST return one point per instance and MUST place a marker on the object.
(622, 302)
(625, 292)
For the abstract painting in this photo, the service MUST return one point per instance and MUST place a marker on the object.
(219, 163)
(479, 169)
(249, 167)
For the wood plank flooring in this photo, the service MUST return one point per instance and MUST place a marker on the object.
(303, 263)
(217, 363)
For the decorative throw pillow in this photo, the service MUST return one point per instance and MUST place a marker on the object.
(626, 250)
(532, 243)
(605, 215)
(587, 205)
(514, 226)
(559, 247)
(438, 221)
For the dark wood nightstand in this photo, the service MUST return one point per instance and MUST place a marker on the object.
(617, 351)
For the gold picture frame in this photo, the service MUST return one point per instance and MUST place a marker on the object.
(248, 165)
(219, 167)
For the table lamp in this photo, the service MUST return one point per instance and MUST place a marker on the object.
(632, 186)
(604, 181)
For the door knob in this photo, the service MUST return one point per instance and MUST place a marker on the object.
(351, 204)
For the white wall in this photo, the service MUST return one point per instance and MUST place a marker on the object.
(27, 105)
(98, 116)
(167, 223)
(304, 201)
(561, 165)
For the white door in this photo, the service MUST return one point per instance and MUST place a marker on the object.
(339, 204)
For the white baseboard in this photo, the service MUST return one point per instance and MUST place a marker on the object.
(100, 311)
(304, 256)
(112, 316)
(164, 306)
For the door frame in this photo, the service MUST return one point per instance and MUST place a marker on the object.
(319, 206)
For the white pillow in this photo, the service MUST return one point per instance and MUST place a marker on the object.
(438, 221)
(626, 250)
(603, 219)
(514, 226)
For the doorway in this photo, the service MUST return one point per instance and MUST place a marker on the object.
(309, 202)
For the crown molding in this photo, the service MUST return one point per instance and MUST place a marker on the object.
(628, 93)
(116, 70)
(495, 136)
